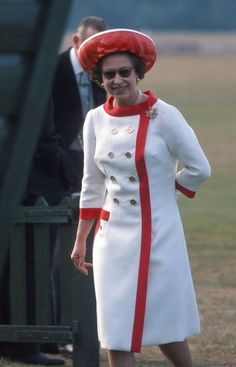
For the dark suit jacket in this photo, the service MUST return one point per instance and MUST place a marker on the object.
(67, 106)
(51, 171)
(68, 115)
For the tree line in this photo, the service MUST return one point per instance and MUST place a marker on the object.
(205, 15)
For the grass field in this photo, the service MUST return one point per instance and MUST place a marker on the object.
(204, 89)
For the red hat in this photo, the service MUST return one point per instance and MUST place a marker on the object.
(113, 41)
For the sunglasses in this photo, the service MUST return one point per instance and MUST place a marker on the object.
(123, 72)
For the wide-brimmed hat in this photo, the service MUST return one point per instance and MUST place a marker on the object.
(113, 41)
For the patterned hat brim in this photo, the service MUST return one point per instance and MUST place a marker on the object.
(113, 41)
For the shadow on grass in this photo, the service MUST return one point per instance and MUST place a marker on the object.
(7, 363)
(166, 364)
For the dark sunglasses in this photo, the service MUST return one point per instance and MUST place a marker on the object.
(123, 72)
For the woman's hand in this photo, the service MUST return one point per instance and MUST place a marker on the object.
(79, 251)
(78, 257)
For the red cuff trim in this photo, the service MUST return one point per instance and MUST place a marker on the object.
(104, 214)
(89, 213)
(190, 194)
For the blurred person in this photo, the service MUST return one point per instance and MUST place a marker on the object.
(74, 94)
(132, 146)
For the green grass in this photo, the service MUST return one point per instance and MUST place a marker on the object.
(204, 89)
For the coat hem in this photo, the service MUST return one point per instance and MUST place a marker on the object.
(152, 344)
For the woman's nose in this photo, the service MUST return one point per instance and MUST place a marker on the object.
(117, 78)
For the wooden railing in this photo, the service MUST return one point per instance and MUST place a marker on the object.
(77, 324)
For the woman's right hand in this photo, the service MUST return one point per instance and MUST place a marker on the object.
(78, 257)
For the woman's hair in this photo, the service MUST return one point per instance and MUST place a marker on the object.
(138, 64)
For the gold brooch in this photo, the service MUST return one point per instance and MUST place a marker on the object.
(151, 112)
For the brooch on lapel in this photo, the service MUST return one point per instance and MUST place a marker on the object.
(151, 112)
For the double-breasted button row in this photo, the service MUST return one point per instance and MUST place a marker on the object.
(111, 155)
(129, 130)
(132, 201)
(131, 179)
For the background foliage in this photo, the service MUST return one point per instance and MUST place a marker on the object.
(159, 14)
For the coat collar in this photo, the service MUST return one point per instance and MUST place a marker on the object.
(130, 110)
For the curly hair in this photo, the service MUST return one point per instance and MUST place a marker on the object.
(138, 64)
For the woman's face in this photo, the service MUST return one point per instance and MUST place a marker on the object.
(120, 79)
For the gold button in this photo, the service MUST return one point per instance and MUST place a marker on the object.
(116, 201)
(130, 130)
(111, 155)
(128, 155)
(112, 178)
(133, 202)
(131, 178)
(114, 131)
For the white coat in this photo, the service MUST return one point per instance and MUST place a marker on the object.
(144, 289)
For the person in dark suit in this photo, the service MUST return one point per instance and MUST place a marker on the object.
(50, 174)
(73, 95)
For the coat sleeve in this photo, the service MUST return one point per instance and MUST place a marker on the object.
(184, 146)
(93, 183)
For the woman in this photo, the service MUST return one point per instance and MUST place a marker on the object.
(132, 144)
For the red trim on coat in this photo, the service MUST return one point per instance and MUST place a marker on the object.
(190, 194)
(146, 229)
(89, 213)
(132, 110)
(105, 215)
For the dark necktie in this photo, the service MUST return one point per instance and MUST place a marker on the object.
(84, 89)
(83, 83)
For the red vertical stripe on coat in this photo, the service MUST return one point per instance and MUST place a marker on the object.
(141, 295)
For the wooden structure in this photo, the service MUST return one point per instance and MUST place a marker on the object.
(30, 35)
(77, 324)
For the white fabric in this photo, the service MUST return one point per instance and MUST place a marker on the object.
(171, 309)
(75, 62)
